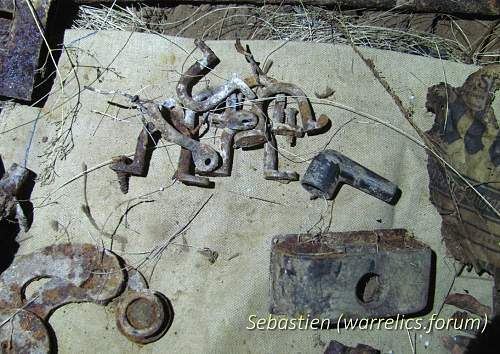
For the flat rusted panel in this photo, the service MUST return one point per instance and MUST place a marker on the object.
(20, 44)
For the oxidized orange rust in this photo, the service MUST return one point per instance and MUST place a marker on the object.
(75, 273)
(19, 57)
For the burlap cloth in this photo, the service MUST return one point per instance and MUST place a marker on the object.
(212, 302)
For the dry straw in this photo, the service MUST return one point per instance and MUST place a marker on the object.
(296, 23)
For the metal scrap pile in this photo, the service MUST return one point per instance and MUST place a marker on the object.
(179, 120)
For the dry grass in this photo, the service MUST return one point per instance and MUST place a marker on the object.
(296, 23)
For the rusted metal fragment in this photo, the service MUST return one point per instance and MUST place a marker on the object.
(257, 137)
(467, 323)
(15, 189)
(358, 274)
(196, 72)
(338, 348)
(20, 49)
(205, 157)
(139, 166)
(291, 120)
(185, 122)
(271, 163)
(456, 344)
(231, 121)
(469, 303)
(23, 332)
(309, 123)
(77, 273)
(330, 169)
(467, 135)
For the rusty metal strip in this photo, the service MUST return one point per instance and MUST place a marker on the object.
(20, 46)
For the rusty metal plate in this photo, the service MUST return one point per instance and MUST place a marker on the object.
(75, 273)
(359, 274)
(20, 45)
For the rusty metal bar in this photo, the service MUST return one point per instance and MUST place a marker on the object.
(464, 7)
(20, 45)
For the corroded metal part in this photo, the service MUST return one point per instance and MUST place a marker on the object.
(196, 72)
(309, 123)
(330, 169)
(20, 48)
(278, 115)
(234, 120)
(185, 167)
(338, 348)
(184, 122)
(271, 164)
(285, 120)
(14, 179)
(205, 157)
(257, 136)
(15, 187)
(259, 76)
(231, 122)
(271, 171)
(76, 273)
(126, 167)
(291, 120)
(254, 137)
(143, 316)
(358, 274)
(23, 332)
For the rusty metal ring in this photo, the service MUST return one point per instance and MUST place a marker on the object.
(144, 317)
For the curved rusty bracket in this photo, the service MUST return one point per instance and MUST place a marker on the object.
(309, 123)
(196, 72)
(231, 121)
(205, 157)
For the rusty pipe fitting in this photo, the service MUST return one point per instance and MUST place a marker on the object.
(330, 169)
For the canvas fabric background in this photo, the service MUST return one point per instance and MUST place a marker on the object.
(212, 302)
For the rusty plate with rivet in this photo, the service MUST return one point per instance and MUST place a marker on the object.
(20, 45)
(359, 274)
